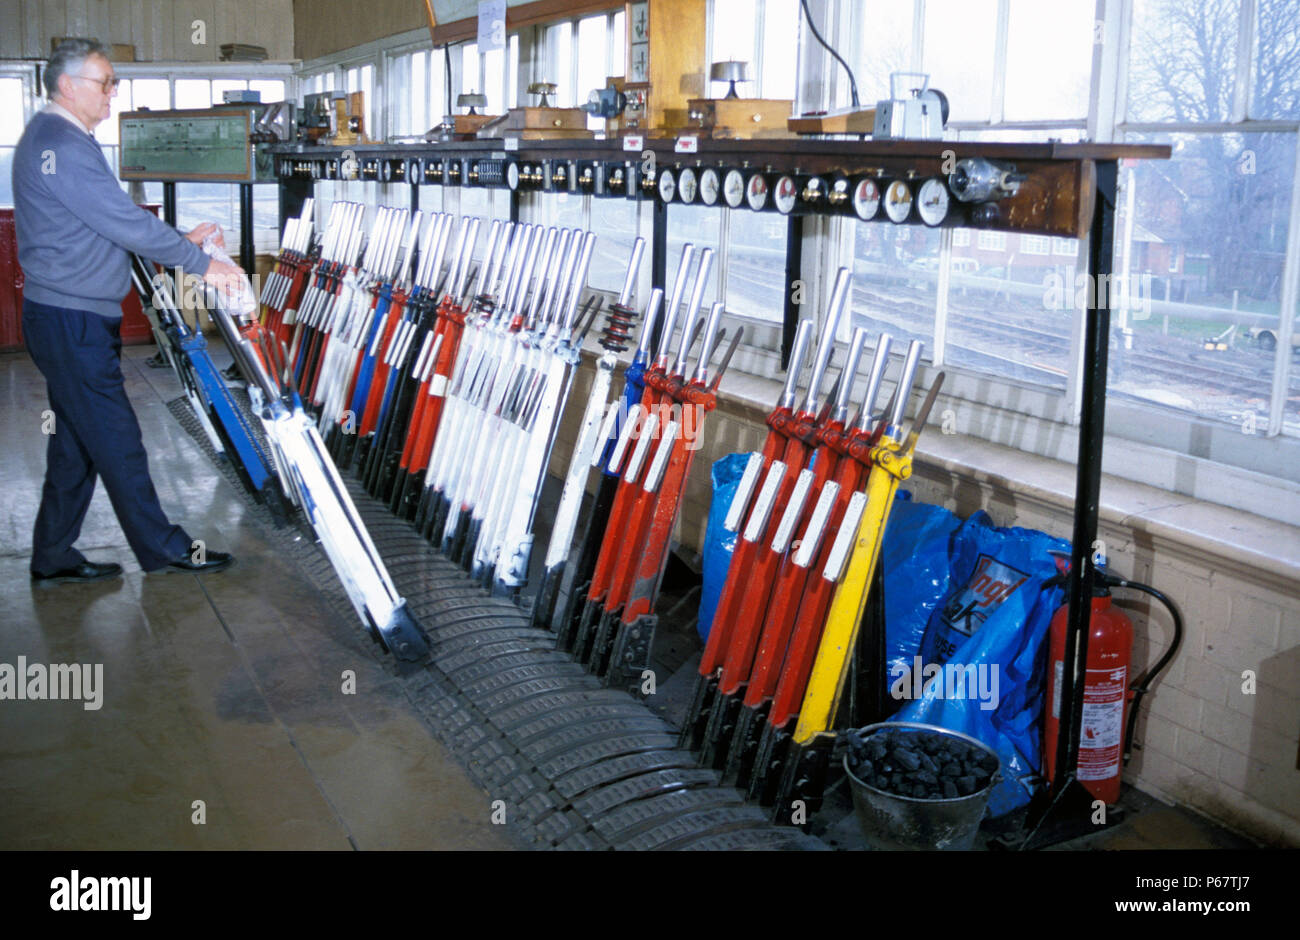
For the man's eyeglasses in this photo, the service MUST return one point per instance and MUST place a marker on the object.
(107, 84)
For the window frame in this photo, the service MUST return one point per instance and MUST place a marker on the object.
(1134, 425)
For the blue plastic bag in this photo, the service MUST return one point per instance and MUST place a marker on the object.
(981, 666)
(917, 570)
(718, 542)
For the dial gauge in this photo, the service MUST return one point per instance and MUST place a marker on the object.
(687, 186)
(932, 201)
(709, 186)
(898, 201)
(866, 200)
(512, 175)
(756, 191)
(784, 194)
(667, 185)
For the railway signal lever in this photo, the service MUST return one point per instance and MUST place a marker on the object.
(807, 763)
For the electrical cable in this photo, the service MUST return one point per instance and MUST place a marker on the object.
(446, 61)
(853, 82)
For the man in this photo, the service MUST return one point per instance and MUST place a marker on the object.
(75, 226)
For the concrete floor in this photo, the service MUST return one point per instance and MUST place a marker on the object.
(225, 689)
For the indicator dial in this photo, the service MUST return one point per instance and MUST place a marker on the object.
(709, 186)
(512, 175)
(933, 201)
(784, 195)
(866, 200)
(667, 185)
(687, 186)
(733, 188)
(756, 191)
(898, 201)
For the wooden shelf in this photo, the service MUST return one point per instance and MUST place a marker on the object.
(1055, 198)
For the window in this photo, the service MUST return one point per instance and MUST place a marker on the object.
(959, 53)
(1035, 244)
(895, 281)
(1183, 60)
(192, 93)
(580, 56)
(1067, 58)
(593, 67)
(13, 118)
(961, 238)
(362, 78)
(1196, 268)
(755, 265)
(617, 224)
(762, 33)
(992, 241)
(1065, 247)
(158, 89)
(1231, 227)
(702, 227)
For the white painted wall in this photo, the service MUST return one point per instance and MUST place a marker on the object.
(160, 30)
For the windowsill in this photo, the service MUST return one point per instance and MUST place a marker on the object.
(1233, 538)
(1230, 538)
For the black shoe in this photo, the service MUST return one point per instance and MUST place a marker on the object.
(86, 571)
(215, 561)
(157, 361)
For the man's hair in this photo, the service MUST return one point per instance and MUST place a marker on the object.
(67, 58)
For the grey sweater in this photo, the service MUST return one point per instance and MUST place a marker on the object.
(75, 224)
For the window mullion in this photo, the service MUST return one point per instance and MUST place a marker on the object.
(723, 267)
(918, 36)
(1245, 46)
(941, 297)
(997, 104)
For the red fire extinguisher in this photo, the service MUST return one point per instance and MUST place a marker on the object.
(1110, 700)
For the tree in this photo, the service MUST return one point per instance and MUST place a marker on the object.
(1232, 190)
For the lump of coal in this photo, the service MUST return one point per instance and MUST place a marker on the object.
(924, 776)
(864, 769)
(949, 790)
(951, 769)
(905, 758)
(965, 785)
(928, 764)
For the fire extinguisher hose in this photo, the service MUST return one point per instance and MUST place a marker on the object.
(1142, 685)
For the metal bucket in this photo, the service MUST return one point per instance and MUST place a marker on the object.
(904, 823)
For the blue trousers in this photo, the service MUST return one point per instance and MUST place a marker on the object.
(96, 436)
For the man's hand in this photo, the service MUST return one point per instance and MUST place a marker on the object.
(203, 231)
(226, 277)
